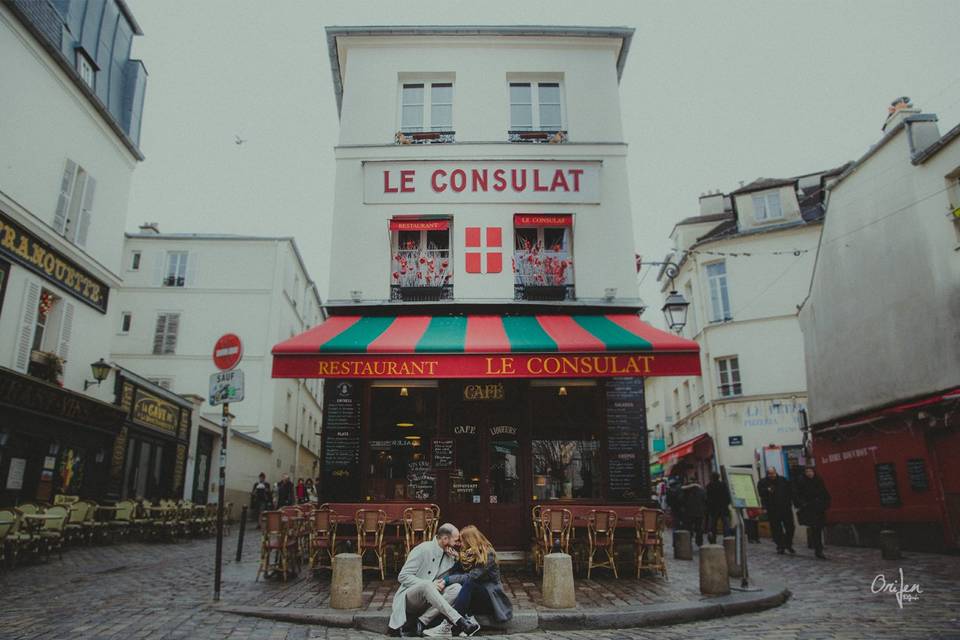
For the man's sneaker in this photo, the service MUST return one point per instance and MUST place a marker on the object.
(465, 627)
(442, 630)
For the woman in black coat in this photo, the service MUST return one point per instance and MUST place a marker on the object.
(812, 500)
(478, 575)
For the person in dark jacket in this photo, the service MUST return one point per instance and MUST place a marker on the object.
(718, 506)
(776, 494)
(813, 500)
(284, 492)
(261, 497)
(478, 574)
(694, 509)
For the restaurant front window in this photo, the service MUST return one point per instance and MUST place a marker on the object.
(402, 427)
(566, 443)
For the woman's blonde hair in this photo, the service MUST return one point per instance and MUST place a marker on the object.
(476, 548)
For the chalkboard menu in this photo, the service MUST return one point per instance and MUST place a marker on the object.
(917, 472)
(627, 459)
(887, 484)
(443, 453)
(341, 443)
(420, 480)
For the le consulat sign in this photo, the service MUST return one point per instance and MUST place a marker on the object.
(26, 249)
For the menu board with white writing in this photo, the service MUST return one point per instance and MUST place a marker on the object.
(887, 484)
(341, 443)
(627, 464)
(443, 453)
(420, 480)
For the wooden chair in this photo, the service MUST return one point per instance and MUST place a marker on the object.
(556, 527)
(371, 524)
(323, 538)
(419, 525)
(536, 544)
(649, 524)
(601, 529)
(278, 549)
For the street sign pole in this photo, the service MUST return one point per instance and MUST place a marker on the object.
(220, 497)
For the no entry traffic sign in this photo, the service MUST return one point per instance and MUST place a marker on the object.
(227, 352)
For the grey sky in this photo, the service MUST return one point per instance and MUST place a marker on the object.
(713, 93)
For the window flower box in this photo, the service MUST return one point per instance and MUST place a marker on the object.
(424, 137)
(555, 136)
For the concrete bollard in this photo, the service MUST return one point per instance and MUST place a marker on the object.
(558, 581)
(682, 545)
(730, 550)
(714, 580)
(889, 545)
(347, 582)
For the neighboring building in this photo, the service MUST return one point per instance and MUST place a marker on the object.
(183, 291)
(484, 345)
(882, 337)
(72, 102)
(743, 266)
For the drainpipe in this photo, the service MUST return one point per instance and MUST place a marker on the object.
(296, 450)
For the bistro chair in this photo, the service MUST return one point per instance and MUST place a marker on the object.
(73, 528)
(536, 543)
(18, 538)
(7, 522)
(436, 519)
(51, 534)
(418, 524)
(120, 523)
(649, 525)
(323, 539)
(64, 499)
(278, 549)
(556, 528)
(371, 524)
(601, 529)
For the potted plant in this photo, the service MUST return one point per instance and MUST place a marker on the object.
(544, 275)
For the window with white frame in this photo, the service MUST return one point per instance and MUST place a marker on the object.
(175, 275)
(426, 106)
(719, 298)
(535, 106)
(165, 333)
(729, 376)
(421, 259)
(86, 69)
(126, 319)
(543, 254)
(135, 258)
(75, 204)
(766, 206)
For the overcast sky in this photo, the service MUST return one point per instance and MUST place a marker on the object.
(713, 93)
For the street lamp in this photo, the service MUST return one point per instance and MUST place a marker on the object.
(100, 370)
(675, 306)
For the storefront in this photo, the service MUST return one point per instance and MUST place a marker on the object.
(52, 441)
(485, 415)
(150, 452)
(694, 457)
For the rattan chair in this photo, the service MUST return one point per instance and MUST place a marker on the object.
(73, 529)
(536, 542)
(51, 534)
(556, 529)
(323, 539)
(649, 524)
(18, 538)
(601, 529)
(371, 524)
(278, 549)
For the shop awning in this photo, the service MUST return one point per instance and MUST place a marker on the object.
(674, 453)
(485, 346)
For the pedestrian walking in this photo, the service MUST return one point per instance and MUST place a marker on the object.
(674, 500)
(813, 500)
(261, 498)
(301, 491)
(776, 494)
(718, 507)
(694, 509)
(284, 491)
(311, 491)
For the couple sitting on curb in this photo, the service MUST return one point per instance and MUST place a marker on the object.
(444, 581)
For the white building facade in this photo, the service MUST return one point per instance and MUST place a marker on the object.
(743, 266)
(181, 292)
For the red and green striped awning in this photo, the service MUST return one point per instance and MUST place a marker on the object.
(482, 346)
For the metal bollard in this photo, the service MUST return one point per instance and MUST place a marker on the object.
(243, 527)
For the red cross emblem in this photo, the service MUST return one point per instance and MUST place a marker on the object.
(493, 250)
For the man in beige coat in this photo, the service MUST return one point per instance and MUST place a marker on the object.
(422, 594)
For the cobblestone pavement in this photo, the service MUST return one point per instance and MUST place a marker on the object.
(136, 590)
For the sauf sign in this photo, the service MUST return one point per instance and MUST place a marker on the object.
(490, 181)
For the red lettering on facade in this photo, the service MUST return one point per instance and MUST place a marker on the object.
(458, 180)
(576, 173)
(439, 188)
(406, 181)
(478, 180)
(536, 182)
(499, 181)
(522, 184)
(559, 181)
(386, 183)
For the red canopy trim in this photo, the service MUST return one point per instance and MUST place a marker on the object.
(683, 449)
(542, 220)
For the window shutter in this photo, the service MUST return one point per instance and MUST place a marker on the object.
(170, 339)
(193, 259)
(66, 329)
(63, 201)
(83, 224)
(28, 322)
(158, 334)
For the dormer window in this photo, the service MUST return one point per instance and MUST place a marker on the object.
(766, 206)
(86, 68)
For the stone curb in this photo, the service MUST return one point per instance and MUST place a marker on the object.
(650, 615)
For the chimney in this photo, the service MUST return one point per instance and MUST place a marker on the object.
(711, 202)
(898, 111)
(150, 227)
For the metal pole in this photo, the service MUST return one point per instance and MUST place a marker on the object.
(223, 477)
(243, 526)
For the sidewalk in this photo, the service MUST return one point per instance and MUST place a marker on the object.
(603, 602)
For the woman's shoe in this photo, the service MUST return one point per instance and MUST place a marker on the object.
(465, 627)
